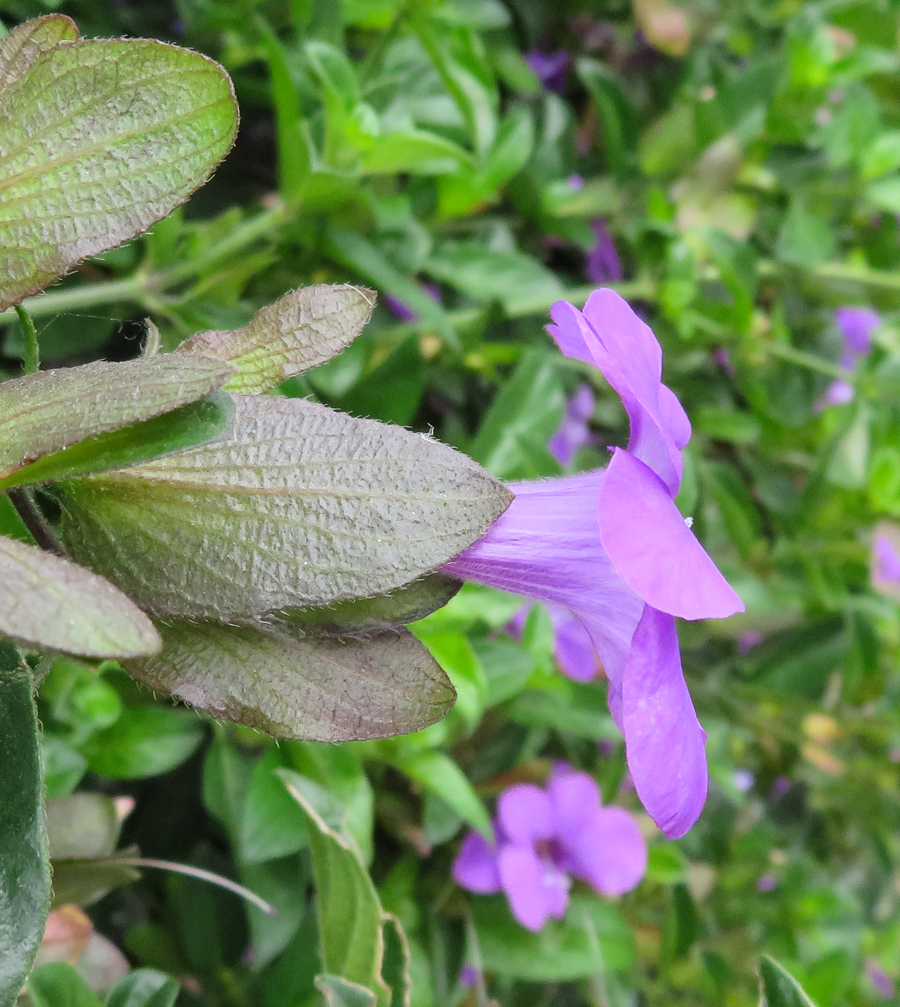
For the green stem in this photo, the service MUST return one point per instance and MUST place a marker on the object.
(31, 359)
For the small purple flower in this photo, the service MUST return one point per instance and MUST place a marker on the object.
(544, 837)
(747, 641)
(722, 358)
(856, 326)
(572, 644)
(743, 779)
(576, 182)
(400, 309)
(880, 980)
(885, 566)
(602, 264)
(549, 68)
(574, 432)
(611, 546)
(468, 976)
(766, 883)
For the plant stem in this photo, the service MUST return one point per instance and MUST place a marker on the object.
(31, 359)
(35, 521)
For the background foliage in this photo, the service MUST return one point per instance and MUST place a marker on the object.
(745, 160)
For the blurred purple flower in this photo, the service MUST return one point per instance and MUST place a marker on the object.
(612, 547)
(576, 182)
(602, 264)
(574, 432)
(549, 68)
(747, 641)
(572, 645)
(780, 786)
(468, 976)
(400, 309)
(743, 780)
(856, 326)
(722, 358)
(886, 561)
(544, 837)
(766, 883)
(880, 980)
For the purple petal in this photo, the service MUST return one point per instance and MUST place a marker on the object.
(652, 548)
(856, 326)
(549, 67)
(575, 797)
(887, 559)
(535, 888)
(475, 867)
(664, 742)
(574, 432)
(629, 357)
(547, 546)
(574, 649)
(602, 264)
(609, 853)
(525, 814)
(838, 393)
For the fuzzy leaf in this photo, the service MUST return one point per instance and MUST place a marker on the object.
(778, 988)
(304, 328)
(99, 140)
(50, 410)
(48, 602)
(21, 47)
(302, 506)
(317, 689)
(24, 865)
(193, 424)
(363, 617)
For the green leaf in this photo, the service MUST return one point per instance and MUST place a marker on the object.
(143, 988)
(592, 939)
(301, 506)
(778, 988)
(59, 985)
(81, 825)
(338, 992)
(489, 274)
(320, 689)
(193, 424)
(272, 825)
(304, 328)
(51, 410)
(144, 741)
(512, 441)
(440, 775)
(83, 882)
(48, 602)
(349, 912)
(24, 873)
(364, 617)
(618, 126)
(415, 152)
(21, 47)
(134, 126)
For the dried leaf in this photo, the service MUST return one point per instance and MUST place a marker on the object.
(48, 602)
(304, 328)
(318, 689)
(100, 139)
(302, 506)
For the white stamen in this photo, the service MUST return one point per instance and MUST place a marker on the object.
(689, 521)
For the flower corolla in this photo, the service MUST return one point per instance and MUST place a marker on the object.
(612, 547)
(547, 836)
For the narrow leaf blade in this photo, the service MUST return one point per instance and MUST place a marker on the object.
(51, 410)
(315, 689)
(24, 866)
(48, 602)
(301, 506)
(350, 914)
(304, 328)
(134, 126)
(778, 988)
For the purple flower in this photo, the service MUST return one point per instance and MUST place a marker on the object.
(574, 432)
(612, 547)
(880, 980)
(886, 560)
(400, 309)
(766, 883)
(572, 645)
(544, 837)
(856, 326)
(549, 68)
(602, 264)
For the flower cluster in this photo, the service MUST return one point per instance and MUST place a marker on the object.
(855, 326)
(544, 837)
(612, 547)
